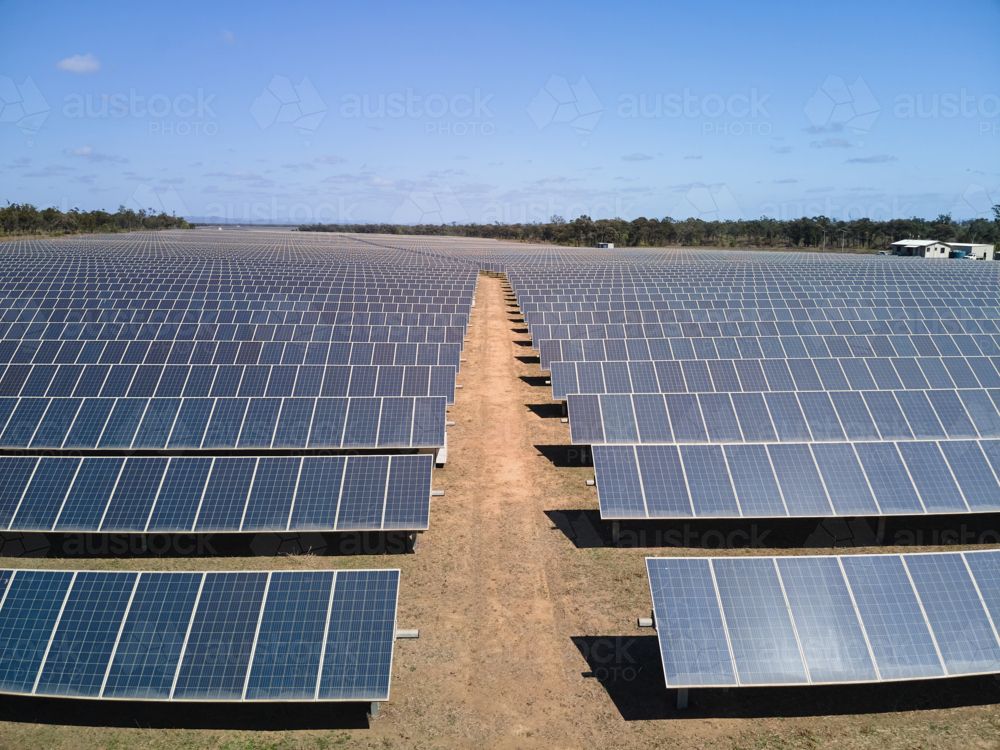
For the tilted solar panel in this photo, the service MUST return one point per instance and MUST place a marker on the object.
(226, 423)
(261, 636)
(727, 622)
(773, 480)
(222, 494)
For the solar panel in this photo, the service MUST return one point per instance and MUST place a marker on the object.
(221, 423)
(797, 479)
(199, 636)
(724, 622)
(791, 416)
(222, 494)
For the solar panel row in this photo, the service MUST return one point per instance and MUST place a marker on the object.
(118, 381)
(244, 310)
(814, 620)
(261, 636)
(728, 375)
(789, 308)
(221, 494)
(976, 345)
(784, 416)
(96, 316)
(221, 423)
(227, 353)
(774, 347)
(775, 480)
(13, 332)
(918, 326)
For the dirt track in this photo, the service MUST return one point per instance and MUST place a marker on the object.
(493, 650)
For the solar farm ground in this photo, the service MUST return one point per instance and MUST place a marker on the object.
(527, 615)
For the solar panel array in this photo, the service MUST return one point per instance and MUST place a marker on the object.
(777, 384)
(755, 384)
(725, 622)
(182, 383)
(260, 636)
(197, 346)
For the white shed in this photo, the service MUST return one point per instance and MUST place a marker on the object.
(605, 245)
(921, 248)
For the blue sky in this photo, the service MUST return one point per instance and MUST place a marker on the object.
(516, 112)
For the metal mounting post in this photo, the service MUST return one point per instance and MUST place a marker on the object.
(682, 698)
(615, 528)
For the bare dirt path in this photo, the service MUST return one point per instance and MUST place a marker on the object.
(493, 634)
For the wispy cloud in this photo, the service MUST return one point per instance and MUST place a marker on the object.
(692, 156)
(344, 178)
(330, 160)
(879, 159)
(254, 179)
(830, 127)
(554, 179)
(88, 153)
(55, 170)
(786, 181)
(827, 189)
(81, 64)
(636, 157)
(831, 143)
(781, 149)
(227, 37)
(476, 188)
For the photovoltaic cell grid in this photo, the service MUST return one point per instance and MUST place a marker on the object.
(969, 348)
(222, 423)
(176, 353)
(15, 334)
(726, 622)
(784, 416)
(221, 494)
(798, 479)
(729, 375)
(881, 320)
(172, 381)
(261, 636)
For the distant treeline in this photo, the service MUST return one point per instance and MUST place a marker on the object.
(25, 219)
(863, 234)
